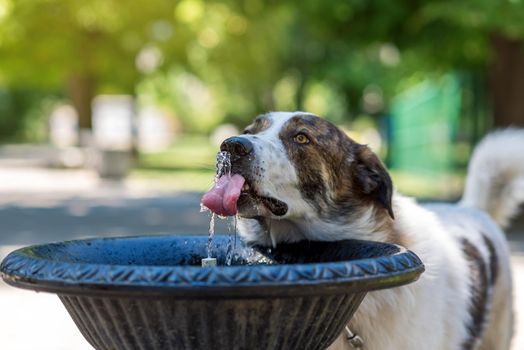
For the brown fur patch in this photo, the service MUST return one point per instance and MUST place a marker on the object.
(493, 261)
(260, 124)
(338, 176)
(478, 307)
(373, 178)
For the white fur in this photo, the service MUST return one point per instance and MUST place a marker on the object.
(432, 313)
(278, 172)
(428, 314)
(496, 180)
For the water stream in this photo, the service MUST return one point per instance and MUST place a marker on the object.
(232, 240)
(223, 168)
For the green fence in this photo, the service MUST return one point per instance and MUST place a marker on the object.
(424, 121)
(424, 125)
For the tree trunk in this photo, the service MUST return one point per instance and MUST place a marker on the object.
(507, 82)
(81, 91)
(300, 93)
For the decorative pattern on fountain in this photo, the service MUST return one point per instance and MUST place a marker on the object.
(24, 266)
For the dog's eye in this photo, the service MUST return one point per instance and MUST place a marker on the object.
(247, 132)
(301, 139)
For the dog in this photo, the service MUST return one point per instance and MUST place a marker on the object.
(296, 177)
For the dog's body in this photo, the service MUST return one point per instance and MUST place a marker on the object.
(463, 301)
(305, 179)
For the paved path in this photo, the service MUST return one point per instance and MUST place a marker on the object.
(40, 205)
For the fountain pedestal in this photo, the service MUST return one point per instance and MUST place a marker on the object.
(151, 293)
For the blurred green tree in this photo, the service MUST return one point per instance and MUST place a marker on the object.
(482, 35)
(256, 55)
(83, 47)
(248, 49)
(348, 43)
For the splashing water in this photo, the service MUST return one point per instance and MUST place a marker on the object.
(223, 166)
(236, 223)
(231, 241)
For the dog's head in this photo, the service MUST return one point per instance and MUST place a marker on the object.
(301, 172)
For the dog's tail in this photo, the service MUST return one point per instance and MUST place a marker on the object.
(495, 181)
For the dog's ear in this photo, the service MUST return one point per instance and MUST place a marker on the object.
(372, 178)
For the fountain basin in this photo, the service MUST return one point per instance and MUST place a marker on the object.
(151, 293)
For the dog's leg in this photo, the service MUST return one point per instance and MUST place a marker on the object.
(499, 329)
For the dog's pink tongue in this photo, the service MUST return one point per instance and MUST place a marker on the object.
(222, 198)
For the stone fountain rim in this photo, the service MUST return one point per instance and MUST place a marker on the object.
(22, 269)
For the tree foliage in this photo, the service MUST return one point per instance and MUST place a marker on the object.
(44, 41)
(249, 55)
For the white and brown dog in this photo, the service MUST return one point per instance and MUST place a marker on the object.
(297, 176)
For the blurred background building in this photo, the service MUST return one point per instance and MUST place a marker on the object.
(111, 111)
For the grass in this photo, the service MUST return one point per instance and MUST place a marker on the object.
(441, 186)
(187, 153)
(188, 165)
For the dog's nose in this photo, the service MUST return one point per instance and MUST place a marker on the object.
(237, 145)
